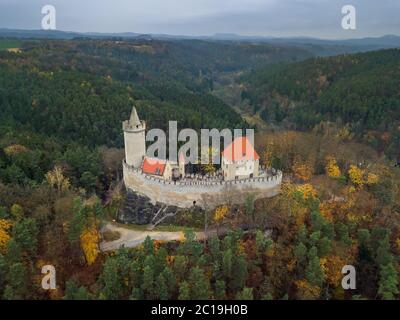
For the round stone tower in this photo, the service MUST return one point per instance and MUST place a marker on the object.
(135, 140)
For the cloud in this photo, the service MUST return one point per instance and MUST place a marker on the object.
(318, 18)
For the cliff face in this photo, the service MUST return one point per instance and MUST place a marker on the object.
(139, 209)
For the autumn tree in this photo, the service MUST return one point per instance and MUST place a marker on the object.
(5, 227)
(56, 179)
(220, 214)
(90, 244)
(332, 168)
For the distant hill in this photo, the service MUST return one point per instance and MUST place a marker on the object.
(361, 91)
(348, 45)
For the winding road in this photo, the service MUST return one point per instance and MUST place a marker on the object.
(131, 238)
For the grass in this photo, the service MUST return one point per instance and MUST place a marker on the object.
(109, 235)
(7, 44)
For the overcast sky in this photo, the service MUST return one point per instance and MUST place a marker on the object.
(316, 18)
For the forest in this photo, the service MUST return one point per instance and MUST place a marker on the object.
(332, 129)
(358, 91)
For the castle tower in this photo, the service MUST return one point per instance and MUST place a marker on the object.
(135, 139)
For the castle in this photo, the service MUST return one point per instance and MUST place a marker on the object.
(166, 181)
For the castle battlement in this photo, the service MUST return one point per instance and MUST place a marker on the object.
(187, 192)
(166, 182)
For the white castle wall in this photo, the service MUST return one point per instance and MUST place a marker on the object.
(204, 193)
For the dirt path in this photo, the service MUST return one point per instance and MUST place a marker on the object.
(131, 238)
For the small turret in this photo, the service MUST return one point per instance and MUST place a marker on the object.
(135, 139)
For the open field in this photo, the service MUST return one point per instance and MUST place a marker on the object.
(6, 44)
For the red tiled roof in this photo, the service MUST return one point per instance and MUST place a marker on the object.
(153, 166)
(240, 149)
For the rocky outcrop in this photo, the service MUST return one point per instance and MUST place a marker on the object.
(139, 209)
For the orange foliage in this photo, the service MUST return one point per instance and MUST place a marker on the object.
(302, 170)
(5, 226)
(332, 169)
(306, 291)
(332, 266)
(356, 176)
(90, 244)
(220, 213)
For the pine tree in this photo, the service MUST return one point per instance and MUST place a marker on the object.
(300, 252)
(170, 281)
(112, 280)
(199, 285)
(220, 290)
(314, 273)
(227, 263)
(17, 279)
(184, 291)
(161, 289)
(74, 292)
(245, 294)
(240, 273)
(148, 283)
(25, 233)
(388, 282)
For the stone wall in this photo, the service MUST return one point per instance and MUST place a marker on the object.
(204, 193)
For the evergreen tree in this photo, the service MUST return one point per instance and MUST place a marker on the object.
(227, 263)
(184, 291)
(199, 285)
(17, 282)
(74, 292)
(245, 294)
(25, 234)
(314, 273)
(148, 285)
(220, 290)
(112, 280)
(240, 273)
(388, 282)
(161, 289)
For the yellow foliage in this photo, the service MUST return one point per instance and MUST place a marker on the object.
(157, 244)
(56, 178)
(15, 149)
(307, 191)
(359, 177)
(372, 179)
(90, 244)
(325, 208)
(332, 169)
(332, 267)
(5, 226)
(356, 175)
(220, 213)
(306, 291)
(170, 260)
(302, 170)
